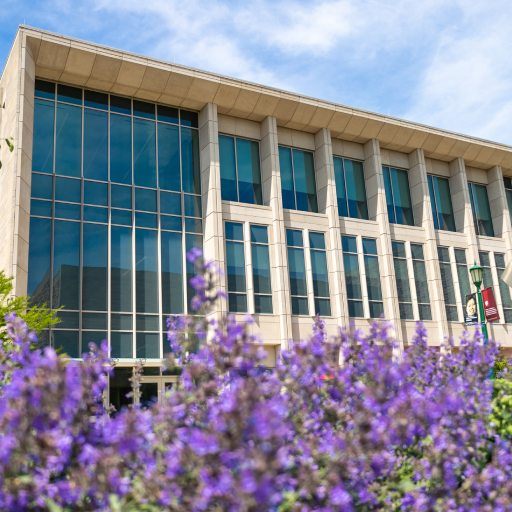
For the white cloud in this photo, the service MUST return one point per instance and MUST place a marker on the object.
(466, 85)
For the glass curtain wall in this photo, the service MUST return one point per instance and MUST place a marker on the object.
(441, 202)
(350, 188)
(116, 203)
(240, 170)
(481, 209)
(298, 185)
(398, 196)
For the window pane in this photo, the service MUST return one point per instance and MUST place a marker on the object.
(249, 177)
(447, 281)
(481, 210)
(234, 231)
(96, 100)
(121, 269)
(120, 149)
(66, 343)
(401, 197)
(95, 193)
(145, 199)
(287, 188)
(237, 302)
(444, 204)
(122, 217)
(322, 307)
(67, 211)
(304, 174)
(191, 241)
(297, 270)
(95, 214)
(120, 197)
(144, 153)
(172, 273)
(68, 153)
(146, 271)
(39, 261)
(95, 261)
(191, 177)
(376, 309)
(355, 309)
(148, 345)
(168, 157)
(44, 89)
(192, 205)
(356, 192)
(235, 262)
(67, 189)
(42, 186)
(352, 276)
(44, 119)
(228, 168)
(261, 269)
(168, 114)
(143, 109)
(371, 264)
(95, 144)
(69, 94)
(40, 208)
(120, 104)
(263, 303)
(341, 192)
(121, 346)
(389, 194)
(170, 203)
(294, 237)
(259, 234)
(316, 240)
(433, 204)
(320, 274)
(300, 306)
(66, 264)
(188, 118)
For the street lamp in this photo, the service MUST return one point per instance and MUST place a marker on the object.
(477, 274)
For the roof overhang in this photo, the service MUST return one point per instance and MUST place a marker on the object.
(80, 63)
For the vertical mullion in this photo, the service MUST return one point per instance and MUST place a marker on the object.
(249, 281)
(134, 261)
(81, 238)
(159, 245)
(309, 272)
(109, 246)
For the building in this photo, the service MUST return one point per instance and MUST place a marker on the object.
(122, 163)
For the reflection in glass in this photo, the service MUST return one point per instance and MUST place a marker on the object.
(38, 287)
(42, 152)
(168, 157)
(172, 273)
(95, 261)
(120, 149)
(68, 150)
(121, 269)
(146, 271)
(95, 144)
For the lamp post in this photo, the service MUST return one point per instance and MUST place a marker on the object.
(477, 273)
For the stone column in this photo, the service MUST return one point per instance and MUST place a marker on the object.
(420, 197)
(499, 207)
(328, 203)
(462, 207)
(271, 185)
(213, 243)
(374, 181)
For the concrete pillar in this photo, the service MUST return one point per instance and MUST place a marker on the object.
(213, 243)
(499, 207)
(327, 200)
(271, 185)
(374, 180)
(462, 207)
(420, 197)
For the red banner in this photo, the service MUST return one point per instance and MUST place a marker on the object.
(491, 310)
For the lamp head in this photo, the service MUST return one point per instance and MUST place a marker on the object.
(477, 273)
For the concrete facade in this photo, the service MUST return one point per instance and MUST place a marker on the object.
(272, 117)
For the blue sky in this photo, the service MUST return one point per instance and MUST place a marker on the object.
(447, 63)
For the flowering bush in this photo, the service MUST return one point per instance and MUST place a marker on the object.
(374, 433)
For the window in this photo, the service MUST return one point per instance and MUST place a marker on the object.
(320, 274)
(235, 264)
(441, 201)
(297, 271)
(371, 266)
(485, 263)
(421, 282)
(352, 276)
(261, 269)
(402, 281)
(481, 209)
(350, 188)
(508, 192)
(240, 170)
(450, 300)
(506, 299)
(398, 196)
(108, 233)
(298, 179)
(463, 276)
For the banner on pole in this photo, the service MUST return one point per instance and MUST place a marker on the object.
(471, 310)
(490, 308)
